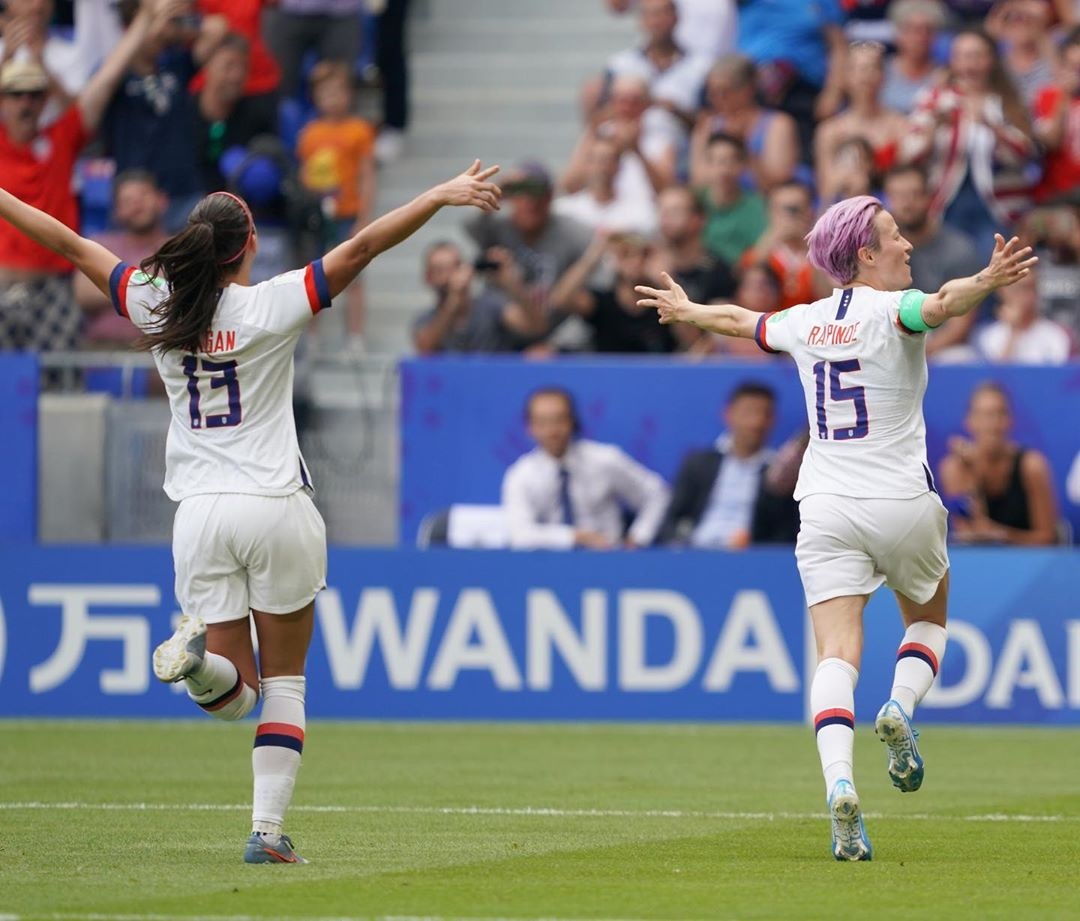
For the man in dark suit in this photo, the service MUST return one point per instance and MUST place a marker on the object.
(739, 491)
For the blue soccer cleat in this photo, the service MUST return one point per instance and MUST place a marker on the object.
(183, 652)
(905, 764)
(261, 849)
(849, 840)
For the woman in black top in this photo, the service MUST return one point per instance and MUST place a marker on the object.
(998, 491)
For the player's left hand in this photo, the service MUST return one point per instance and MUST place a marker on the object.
(471, 188)
(1009, 263)
(671, 303)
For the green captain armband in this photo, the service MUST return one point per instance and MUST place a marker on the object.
(911, 312)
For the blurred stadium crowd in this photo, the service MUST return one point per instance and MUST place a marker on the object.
(709, 147)
(706, 150)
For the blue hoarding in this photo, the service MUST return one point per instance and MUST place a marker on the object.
(655, 635)
(18, 460)
(462, 420)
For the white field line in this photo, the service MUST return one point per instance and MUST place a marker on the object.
(527, 811)
(98, 916)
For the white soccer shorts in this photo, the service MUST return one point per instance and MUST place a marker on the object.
(850, 546)
(233, 552)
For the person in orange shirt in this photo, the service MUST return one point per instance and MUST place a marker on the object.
(783, 245)
(336, 151)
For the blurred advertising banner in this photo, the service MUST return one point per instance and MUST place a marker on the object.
(462, 419)
(649, 635)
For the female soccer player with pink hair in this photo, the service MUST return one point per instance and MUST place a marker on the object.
(869, 509)
(248, 542)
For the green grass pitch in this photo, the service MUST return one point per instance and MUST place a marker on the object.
(517, 821)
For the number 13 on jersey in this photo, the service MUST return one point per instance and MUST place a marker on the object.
(222, 374)
(838, 393)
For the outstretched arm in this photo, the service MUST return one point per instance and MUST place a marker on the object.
(90, 258)
(675, 307)
(1007, 265)
(345, 261)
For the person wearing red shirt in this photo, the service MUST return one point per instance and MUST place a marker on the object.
(264, 75)
(37, 310)
(1057, 124)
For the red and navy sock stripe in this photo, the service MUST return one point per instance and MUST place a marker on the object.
(230, 695)
(283, 735)
(919, 651)
(836, 716)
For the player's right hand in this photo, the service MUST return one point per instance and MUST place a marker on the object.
(471, 188)
(1009, 262)
(670, 303)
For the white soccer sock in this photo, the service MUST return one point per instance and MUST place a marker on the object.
(917, 661)
(279, 741)
(217, 687)
(832, 702)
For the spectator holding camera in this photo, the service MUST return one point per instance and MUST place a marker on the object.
(529, 246)
(571, 491)
(462, 320)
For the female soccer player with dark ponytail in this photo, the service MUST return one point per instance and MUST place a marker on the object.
(247, 540)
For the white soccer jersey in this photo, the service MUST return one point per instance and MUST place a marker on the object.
(232, 428)
(864, 376)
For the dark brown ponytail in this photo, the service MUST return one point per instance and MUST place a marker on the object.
(195, 263)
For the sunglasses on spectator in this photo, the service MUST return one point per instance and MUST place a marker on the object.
(24, 94)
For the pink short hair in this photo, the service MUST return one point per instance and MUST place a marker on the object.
(840, 233)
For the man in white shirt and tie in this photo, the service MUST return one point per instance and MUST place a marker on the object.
(570, 492)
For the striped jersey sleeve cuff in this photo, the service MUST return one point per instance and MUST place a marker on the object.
(118, 285)
(760, 336)
(316, 286)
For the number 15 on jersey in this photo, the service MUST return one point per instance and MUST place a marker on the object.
(829, 372)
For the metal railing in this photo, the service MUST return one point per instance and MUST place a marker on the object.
(347, 416)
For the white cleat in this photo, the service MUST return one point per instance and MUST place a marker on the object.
(183, 652)
(849, 839)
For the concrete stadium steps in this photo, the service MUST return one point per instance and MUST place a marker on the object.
(496, 79)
